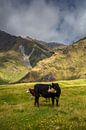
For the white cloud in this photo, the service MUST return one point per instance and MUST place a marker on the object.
(44, 21)
(39, 20)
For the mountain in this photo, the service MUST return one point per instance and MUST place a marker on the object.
(28, 60)
(54, 46)
(7, 41)
(67, 63)
(18, 55)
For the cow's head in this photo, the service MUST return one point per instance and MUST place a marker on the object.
(51, 90)
(55, 85)
(32, 91)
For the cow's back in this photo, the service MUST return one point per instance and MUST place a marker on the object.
(41, 89)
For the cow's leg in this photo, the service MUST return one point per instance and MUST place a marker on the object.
(36, 101)
(46, 100)
(52, 101)
(57, 100)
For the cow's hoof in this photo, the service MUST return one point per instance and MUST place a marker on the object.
(57, 105)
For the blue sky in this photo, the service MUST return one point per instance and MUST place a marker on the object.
(61, 21)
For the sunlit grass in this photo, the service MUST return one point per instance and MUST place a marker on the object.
(11, 67)
(17, 111)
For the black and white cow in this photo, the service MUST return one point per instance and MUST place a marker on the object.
(47, 91)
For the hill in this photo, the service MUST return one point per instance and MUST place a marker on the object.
(18, 55)
(68, 63)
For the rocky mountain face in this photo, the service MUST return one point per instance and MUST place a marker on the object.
(18, 52)
(67, 63)
(53, 46)
(9, 42)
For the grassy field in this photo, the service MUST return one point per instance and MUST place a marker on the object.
(17, 111)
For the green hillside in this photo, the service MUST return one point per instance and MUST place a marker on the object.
(69, 63)
(18, 55)
(11, 67)
(17, 111)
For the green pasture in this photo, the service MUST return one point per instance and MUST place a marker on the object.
(17, 111)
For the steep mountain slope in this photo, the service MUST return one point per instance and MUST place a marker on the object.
(18, 56)
(6, 41)
(69, 63)
(55, 46)
(9, 42)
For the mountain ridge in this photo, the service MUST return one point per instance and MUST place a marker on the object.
(9, 42)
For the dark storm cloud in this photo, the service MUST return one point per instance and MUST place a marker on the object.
(49, 20)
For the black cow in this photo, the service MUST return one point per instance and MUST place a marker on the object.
(43, 90)
(31, 90)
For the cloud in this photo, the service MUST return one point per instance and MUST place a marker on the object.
(38, 21)
(47, 20)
